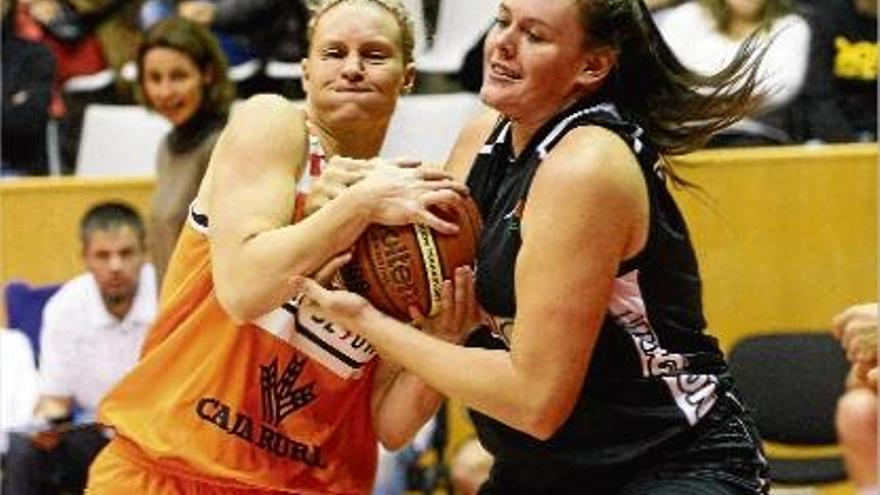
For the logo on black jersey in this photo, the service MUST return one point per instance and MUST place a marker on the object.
(280, 397)
(514, 217)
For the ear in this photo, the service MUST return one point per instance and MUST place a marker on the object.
(597, 65)
(409, 78)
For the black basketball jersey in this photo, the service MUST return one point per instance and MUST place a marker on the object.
(654, 373)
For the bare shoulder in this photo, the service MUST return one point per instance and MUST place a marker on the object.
(470, 141)
(265, 137)
(593, 179)
(592, 154)
(263, 130)
(265, 113)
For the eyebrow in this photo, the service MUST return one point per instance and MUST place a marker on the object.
(530, 21)
(378, 40)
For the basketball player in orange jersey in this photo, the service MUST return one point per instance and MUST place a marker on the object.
(240, 389)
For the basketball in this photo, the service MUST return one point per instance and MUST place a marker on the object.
(403, 266)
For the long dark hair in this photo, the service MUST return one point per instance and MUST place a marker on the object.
(197, 43)
(679, 109)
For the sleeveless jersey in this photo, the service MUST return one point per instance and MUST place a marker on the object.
(654, 373)
(281, 403)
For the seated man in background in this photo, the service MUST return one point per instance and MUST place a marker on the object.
(856, 327)
(92, 333)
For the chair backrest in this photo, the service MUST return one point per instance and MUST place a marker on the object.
(791, 382)
(460, 25)
(120, 140)
(24, 308)
(426, 126)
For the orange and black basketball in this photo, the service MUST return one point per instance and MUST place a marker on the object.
(403, 266)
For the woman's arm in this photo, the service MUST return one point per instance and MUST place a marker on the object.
(587, 212)
(250, 202)
(402, 404)
(402, 401)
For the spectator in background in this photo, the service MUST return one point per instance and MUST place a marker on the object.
(182, 75)
(706, 34)
(18, 383)
(113, 21)
(270, 30)
(274, 28)
(81, 74)
(840, 102)
(242, 61)
(856, 420)
(93, 328)
(28, 74)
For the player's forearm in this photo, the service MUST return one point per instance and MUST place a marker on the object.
(407, 404)
(485, 380)
(253, 278)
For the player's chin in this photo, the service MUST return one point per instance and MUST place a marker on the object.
(365, 105)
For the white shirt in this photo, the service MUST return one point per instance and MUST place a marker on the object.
(18, 382)
(692, 33)
(85, 350)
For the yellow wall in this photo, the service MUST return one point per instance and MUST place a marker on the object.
(786, 237)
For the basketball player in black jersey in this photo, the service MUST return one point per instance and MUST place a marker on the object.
(596, 374)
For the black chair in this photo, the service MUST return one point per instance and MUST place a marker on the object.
(791, 381)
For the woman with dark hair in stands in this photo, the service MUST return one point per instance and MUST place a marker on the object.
(182, 76)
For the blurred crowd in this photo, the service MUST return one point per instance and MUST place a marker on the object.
(820, 74)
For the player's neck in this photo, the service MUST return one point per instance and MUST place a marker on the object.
(352, 141)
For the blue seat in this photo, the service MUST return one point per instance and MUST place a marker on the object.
(24, 308)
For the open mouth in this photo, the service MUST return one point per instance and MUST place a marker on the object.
(170, 109)
(504, 72)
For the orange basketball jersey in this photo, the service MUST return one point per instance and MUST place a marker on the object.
(281, 403)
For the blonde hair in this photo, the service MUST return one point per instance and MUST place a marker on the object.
(395, 7)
